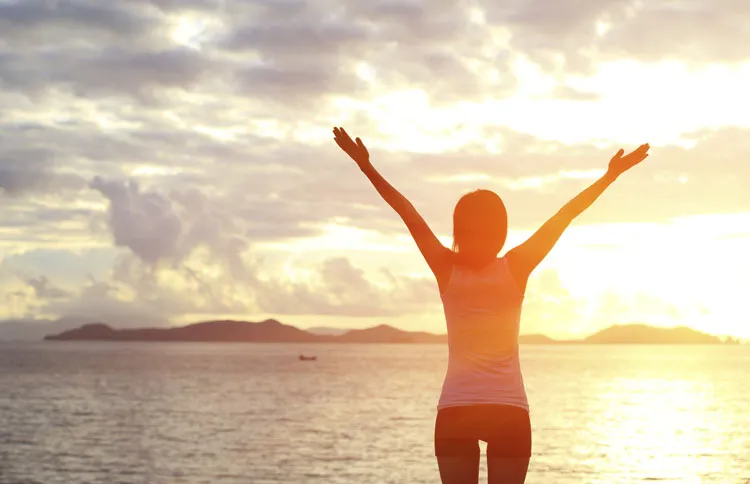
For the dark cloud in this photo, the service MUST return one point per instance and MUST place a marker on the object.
(30, 161)
(158, 227)
(276, 33)
(22, 171)
(44, 289)
(102, 72)
(146, 223)
(50, 20)
(293, 84)
(32, 170)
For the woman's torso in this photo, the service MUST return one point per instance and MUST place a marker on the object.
(482, 312)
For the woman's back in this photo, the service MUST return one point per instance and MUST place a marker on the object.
(483, 387)
(482, 312)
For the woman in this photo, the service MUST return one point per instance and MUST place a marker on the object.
(483, 395)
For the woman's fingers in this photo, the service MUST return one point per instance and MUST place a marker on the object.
(618, 155)
(354, 148)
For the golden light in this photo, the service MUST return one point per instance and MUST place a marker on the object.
(660, 444)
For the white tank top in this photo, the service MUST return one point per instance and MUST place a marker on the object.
(483, 311)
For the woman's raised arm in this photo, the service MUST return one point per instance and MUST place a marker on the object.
(438, 257)
(522, 260)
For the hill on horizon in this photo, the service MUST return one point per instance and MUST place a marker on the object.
(273, 331)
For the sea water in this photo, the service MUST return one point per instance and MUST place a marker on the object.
(79, 412)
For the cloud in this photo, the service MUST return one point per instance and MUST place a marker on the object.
(38, 20)
(30, 165)
(692, 31)
(18, 175)
(146, 223)
(43, 289)
(203, 287)
(104, 302)
(295, 55)
(280, 53)
(572, 37)
(190, 135)
(157, 227)
(103, 72)
(337, 288)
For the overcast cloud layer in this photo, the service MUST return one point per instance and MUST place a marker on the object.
(157, 148)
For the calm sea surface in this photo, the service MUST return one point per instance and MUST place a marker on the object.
(225, 413)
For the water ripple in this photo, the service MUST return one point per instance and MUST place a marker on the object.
(195, 413)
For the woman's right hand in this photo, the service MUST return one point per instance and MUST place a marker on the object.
(356, 150)
(619, 164)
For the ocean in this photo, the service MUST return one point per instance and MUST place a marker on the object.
(80, 412)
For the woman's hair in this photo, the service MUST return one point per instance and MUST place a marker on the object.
(480, 220)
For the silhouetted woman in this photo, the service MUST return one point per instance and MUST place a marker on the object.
(483, 395)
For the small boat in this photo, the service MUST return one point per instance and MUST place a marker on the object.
(307, 358)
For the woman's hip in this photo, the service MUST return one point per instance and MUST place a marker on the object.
(505, 428)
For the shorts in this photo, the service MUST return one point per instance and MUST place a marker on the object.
(505, 428)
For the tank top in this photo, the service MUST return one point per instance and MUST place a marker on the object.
(482, 313)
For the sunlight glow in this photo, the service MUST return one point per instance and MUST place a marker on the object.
(664, 444)
(623, 115)
(366, 72)
(602, 28)
(674, 272)
(189, 30)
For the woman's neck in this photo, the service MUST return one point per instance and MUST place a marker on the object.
(474, 263)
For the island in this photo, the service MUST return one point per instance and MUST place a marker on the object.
(273, 331)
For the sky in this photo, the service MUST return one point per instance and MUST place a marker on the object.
(166, 161)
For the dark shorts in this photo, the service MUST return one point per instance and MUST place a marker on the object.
(506, 429)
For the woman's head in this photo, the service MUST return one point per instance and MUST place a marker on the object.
(480, 226)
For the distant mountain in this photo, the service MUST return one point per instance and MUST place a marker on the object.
(272, 331)
(269, 331)
(644, 334)
(388, 334)
(536, 339)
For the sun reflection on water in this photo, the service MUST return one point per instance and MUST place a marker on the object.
(660, 426)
